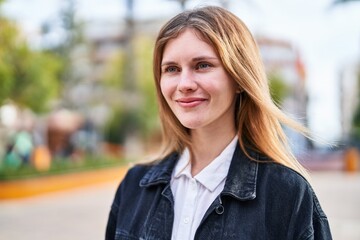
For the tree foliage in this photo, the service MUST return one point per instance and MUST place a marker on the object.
(114, 73)
(146, 85)
(142, 118)
(355, 135)
(73, 38)
(278, 88)
(27, 77)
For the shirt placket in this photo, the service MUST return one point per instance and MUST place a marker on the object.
(188, 211)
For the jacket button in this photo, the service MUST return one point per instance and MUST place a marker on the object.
(219, 209)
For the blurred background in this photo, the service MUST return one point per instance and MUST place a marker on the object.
(78, 104)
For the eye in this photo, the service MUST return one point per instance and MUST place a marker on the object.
(203, 66)
(171, 69)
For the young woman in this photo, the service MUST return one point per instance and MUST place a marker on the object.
(226, 171)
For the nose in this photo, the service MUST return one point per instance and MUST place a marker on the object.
(187, 82)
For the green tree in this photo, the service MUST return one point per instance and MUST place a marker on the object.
(278, 88)
(355, 132)
(115, 71)
(73, 38)
(66, 50)
(140, 117)
(146, 86)
(356, 125)
(121, 124)
(27, 77)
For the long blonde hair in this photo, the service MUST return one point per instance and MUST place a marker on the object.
(258, 120)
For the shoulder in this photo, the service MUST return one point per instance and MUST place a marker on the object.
(144, 175)
(279, 182)
(276, 173)
(139, 177)
(129, 185)
(285, 190)
(284, 182)
(136, 172)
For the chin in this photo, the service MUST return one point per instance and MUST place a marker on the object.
(191, 124)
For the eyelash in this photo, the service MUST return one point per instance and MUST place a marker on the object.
(203, 63)
(197, 67)
(167, 69)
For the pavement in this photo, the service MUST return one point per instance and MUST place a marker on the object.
(81, 213)
(339, 196)
(74, 214)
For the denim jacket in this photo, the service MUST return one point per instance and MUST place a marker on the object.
(260, 200)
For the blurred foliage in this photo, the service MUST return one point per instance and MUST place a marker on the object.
(27, 77)
(122, 123)
(278, 88)
(355, 133)
(149, 108)
(74, 37)
(60, 166)
(113, 77)
(142, 118)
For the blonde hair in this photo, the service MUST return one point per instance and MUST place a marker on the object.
(258, 120)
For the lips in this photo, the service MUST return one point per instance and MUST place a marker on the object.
(190, 102)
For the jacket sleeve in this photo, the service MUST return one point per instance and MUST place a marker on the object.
(125, 193)
(320, 222)
(111, 224)
(320, 229)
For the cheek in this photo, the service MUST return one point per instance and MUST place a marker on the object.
(163, 89)
(166, 89)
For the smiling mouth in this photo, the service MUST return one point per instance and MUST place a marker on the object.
(190, 102)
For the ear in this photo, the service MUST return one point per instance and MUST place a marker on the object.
(238, 91)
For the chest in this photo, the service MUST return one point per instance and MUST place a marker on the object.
(153, 218)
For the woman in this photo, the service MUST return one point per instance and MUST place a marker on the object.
(226, 171)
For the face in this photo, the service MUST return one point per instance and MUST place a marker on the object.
(195, 84)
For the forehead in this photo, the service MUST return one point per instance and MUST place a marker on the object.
(189, 41)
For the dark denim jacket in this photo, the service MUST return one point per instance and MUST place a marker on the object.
(259, 201)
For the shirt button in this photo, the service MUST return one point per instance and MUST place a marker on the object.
(186, 220)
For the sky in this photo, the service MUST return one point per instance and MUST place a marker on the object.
(327, 36)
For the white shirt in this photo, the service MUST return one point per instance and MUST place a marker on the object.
(194, 195)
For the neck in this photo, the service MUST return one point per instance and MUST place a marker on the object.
(207, 145)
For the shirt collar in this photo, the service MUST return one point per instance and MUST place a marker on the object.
(240, 182)
(183, 166)
(214, 173)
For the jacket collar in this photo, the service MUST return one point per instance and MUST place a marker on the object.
(160, 172)
(242, 177)
(240, 182)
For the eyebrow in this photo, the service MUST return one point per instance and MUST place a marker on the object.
(196, 59)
